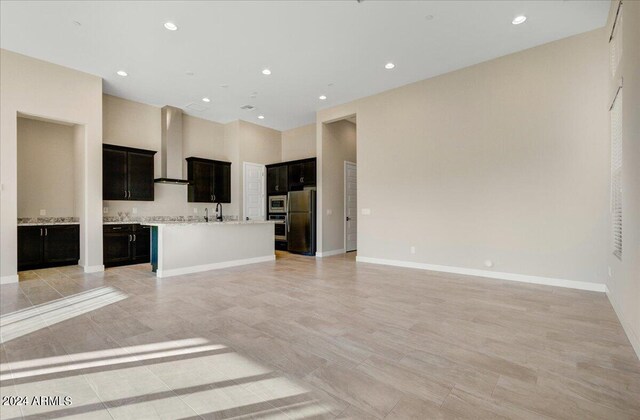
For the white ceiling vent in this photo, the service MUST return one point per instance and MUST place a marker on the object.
(248, 107)
(196, 107)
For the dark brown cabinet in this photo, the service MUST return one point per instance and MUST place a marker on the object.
(277, 179)
(209, 180)
(302, 174)
(48, 246)
(126, 244)
(127, 173)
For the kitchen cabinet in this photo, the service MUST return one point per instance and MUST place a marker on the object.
(48, 246)
(209, 181)
(126, 244)
(302, 174)
(127, 173)
(277, 179)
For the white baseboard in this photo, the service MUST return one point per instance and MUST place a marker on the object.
(13, 278)
(93, 268)
(549, 281)
(212, 266)
(631, 334)
(330, 253)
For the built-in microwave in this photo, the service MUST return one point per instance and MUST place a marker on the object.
(278, 204)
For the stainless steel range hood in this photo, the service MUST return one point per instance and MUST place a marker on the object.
(171, 150)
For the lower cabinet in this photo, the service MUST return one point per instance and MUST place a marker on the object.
(126, 244)
(48, 246)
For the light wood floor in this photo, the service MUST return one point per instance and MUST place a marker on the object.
(307, 338)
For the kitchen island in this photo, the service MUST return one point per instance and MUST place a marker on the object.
(190, 247)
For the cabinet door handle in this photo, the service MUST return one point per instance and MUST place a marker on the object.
(41, 232)
(125, 193)
(46, 232)
(130, 238)
(277, 187)
(134, 237)
(129, 194)
(117, 228)
(214, 197)
(301, 179)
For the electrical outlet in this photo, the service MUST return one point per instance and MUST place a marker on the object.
(105, 210)
(366, 212)
(134, 210)
(413, 250)
(43, 212)
(488, 263)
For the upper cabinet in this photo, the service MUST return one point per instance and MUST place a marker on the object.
(127, 173)
(209, 180)
(302, 174)
(277, 179)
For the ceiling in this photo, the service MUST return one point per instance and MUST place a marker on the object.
(313, 48)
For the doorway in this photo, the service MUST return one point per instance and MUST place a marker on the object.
(350, 206)
(254, 207)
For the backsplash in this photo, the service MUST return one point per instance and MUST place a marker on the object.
(127, 217)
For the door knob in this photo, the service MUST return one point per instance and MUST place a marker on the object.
(348, 218)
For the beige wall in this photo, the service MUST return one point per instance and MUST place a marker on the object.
(46, 179)
(338, 146)
(506, 160)
(257, 144)
(624, 285)
(135, 124)
(37, 88)
(299, 143)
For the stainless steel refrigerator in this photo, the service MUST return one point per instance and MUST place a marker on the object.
(301, 223)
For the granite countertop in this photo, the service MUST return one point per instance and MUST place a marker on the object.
(202, 222)
(47, 221)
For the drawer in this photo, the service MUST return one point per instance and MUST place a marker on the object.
(118, 228)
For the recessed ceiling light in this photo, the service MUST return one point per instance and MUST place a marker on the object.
(322, 97)
(205, 99)
(519, 19)
(171, 26)
(261, 117)
(224, 86)
(189, 73)
(122, 73)
(429, 17)
(389, 66)
(266, 72)
(75, 22)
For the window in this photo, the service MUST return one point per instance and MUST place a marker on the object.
(615, 41)
(616, 173)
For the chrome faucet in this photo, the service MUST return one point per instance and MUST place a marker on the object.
(206, 214)
(219, 215)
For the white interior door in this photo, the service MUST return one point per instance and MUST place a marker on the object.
(254, 191)
(350, 206)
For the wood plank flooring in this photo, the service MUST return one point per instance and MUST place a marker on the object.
(306, 338)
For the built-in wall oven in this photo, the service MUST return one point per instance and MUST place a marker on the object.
(280, 226)
(278, 204)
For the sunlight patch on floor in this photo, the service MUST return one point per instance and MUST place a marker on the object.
(25, 321)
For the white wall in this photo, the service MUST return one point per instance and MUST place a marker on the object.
(46, 179)
(338, 146)
(299, 143)
(37, 88)
(506, 160)
(624, 285)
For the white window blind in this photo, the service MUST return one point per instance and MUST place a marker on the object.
(615, 42)
(616, 174)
